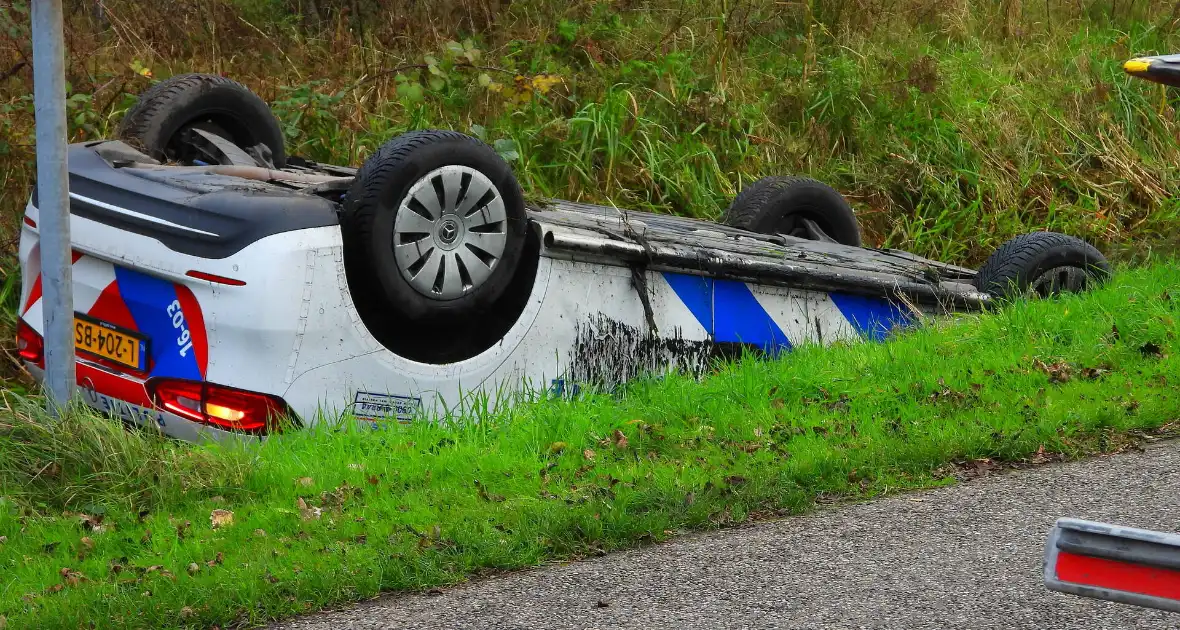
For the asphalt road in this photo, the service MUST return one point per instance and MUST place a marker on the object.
(961, 557)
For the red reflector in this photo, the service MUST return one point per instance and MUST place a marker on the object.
(29, 344)
(1120, 576)
(29, 222)
(201, 275)
(219, 406)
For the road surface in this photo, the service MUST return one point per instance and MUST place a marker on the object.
(961, 557)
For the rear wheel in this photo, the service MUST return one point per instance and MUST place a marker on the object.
(795, 206)
(436, 224)
(206, 118)
(1042, 264)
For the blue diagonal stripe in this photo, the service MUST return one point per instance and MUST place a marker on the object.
(696, 292)
(737, 316)
(147, 298)
(872, 317)
(728, 311)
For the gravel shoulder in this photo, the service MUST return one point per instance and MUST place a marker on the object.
(968, 556)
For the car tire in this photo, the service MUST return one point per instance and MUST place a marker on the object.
(1042, 264)
(786, 205)
(216, 104)
(420, 238)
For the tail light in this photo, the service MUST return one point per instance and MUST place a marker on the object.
(219, 406)
(29, 344)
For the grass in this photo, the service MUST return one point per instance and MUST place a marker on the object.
(102, 523)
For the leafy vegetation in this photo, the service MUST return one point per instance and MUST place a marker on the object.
(101, 523)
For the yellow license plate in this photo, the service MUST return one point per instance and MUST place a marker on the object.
(109, 342)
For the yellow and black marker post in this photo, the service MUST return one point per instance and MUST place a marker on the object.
(1164, 69)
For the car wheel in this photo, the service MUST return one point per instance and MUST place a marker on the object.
(164, 120)
(795, 206)
(437, 221)
(1042, 264)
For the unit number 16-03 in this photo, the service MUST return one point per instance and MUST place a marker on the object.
(185, 339)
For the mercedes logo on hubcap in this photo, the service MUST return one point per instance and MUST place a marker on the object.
(448, 232)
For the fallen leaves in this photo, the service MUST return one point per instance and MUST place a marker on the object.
(620, 439)
(1043, 456)
(308, 513)
(306, 482)
(221, 518)
(485, 495)
(337, 497)
(87, 546)
(1094, 373)
(51, 470)
(425, 541)
(588, 454)
(91, 523)
(72, 577)
(1059, 372)
(158, 568)
(1151, 350)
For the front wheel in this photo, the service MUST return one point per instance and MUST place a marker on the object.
(795, 206)
(162, 122)
(1042, 264)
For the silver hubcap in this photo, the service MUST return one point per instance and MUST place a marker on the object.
(1060, 280)
(450, 232)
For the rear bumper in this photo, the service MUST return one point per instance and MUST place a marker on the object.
(124, 398)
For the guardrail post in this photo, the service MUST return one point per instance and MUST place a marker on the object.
(49, 104)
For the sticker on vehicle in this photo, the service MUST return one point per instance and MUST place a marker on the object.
(372, 406)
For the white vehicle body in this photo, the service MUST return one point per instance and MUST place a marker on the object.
(277, 317)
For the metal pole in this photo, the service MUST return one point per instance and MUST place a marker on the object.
(49, 104)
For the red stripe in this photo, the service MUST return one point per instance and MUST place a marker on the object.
(110, 308)
(124, 389)
(1120, 576)
(201, 275)
(196, 325)
(35, 293)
